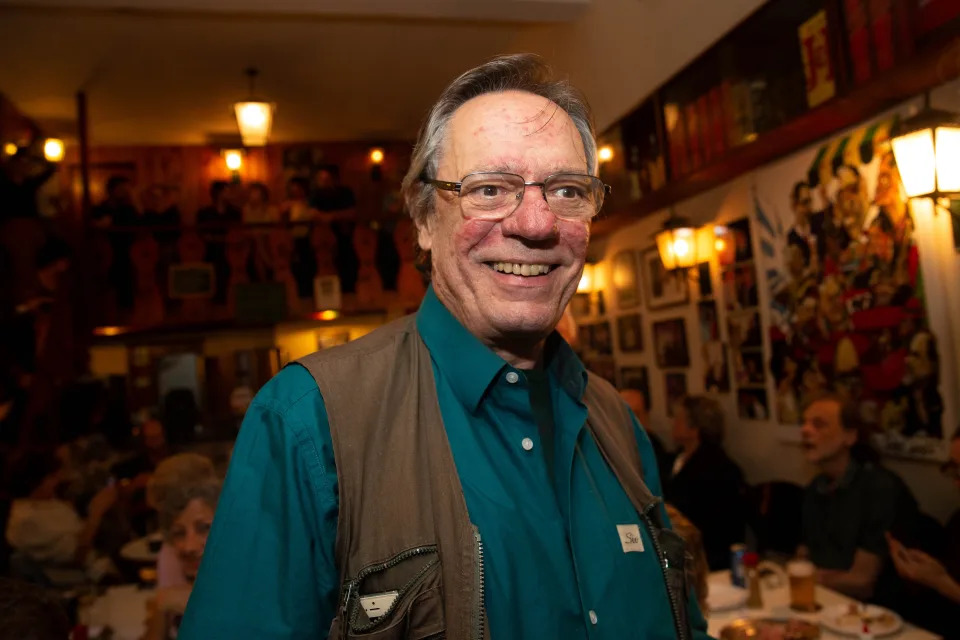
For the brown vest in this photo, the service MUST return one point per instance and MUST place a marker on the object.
(403, 524)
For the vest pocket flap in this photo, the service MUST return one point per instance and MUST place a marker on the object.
(399, 598)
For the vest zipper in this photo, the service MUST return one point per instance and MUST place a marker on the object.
(680, 626)
(383, 566)
(478, 586)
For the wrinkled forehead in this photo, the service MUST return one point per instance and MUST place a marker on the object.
(500, 129)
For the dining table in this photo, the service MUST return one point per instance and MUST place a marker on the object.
(122, 609)
(776, 605)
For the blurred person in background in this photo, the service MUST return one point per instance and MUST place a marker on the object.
(703, 482)
(936, 580)
(184, 490)
(21, 178)
(45, 529)
(30, 612)
(638, 401)
(258, 210)
(851, 504)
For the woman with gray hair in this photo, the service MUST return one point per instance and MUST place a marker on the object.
(184, 490)
(705, 484)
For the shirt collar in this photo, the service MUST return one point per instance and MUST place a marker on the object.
(825, 485)
(471, 366)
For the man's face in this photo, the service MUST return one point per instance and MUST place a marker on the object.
(637, 404)
(823, 435)
(527, 135)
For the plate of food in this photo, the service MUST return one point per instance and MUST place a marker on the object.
(849, 619)
(770, 629)
(724, 597)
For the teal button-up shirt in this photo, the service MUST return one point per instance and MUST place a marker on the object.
(554, 562)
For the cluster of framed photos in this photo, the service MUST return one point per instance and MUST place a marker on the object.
(639, 276)
(739, 277)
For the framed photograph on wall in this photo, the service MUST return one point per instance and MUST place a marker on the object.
(598, 338)
(626, 282)
(752, 404)
(709, 321)
(630, 333)
(664, 288)
(602, 366)
(670, 343)
(580, 305)
(676, 387)
(716, 379)
(636, 378)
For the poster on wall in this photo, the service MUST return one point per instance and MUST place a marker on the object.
(847, 310)
(636, 378)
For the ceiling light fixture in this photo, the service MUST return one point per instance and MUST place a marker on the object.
(254, 116)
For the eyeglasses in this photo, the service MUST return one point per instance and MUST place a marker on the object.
(494, 196)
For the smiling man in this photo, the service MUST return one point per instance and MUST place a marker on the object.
(457, 473)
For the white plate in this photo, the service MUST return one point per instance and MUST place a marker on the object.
(838, 619)
(723, 597)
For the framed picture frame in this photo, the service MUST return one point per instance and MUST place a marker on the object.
(670, 343)
(630, 333)
(598, 338)
(664, 288)
(580, 305)
(675, 385)
(636, 378)
(626, 279)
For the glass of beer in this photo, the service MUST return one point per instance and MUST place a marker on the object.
(802, 577)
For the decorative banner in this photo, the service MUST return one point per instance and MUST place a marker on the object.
(815, 50)
(847, 310)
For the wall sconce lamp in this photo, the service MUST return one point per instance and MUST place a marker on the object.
(682, 246)
(605, 154)
(926, 148)
(53, 149)
(233, 158)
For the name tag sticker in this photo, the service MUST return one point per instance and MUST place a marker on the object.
(630, 538)
(378, 604)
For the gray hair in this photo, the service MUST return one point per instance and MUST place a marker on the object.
(178, 481)
(705, 415)
(518, 72)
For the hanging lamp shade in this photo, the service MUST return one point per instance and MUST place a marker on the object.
(254, 116)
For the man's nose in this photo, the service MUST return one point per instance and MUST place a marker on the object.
(532, 219)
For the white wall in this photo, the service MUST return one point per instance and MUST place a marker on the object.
(765, 450)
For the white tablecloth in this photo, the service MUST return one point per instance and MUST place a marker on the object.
(776, 604)
(123, 608)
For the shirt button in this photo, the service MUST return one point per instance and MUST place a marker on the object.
(512, 377)
(593, 617)
(527, 444)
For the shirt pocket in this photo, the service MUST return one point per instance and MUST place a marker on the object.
(416, 612)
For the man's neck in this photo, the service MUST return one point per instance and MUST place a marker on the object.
(835, 467)
(520, 356)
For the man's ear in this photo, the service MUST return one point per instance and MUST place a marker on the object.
(425, 233)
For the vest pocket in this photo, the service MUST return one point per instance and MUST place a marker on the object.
(416, 613)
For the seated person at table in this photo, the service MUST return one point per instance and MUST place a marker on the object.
(638, 401)
(184, 490)
(937, 611)
(44, 529)
(704, 483)
(850, 505)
